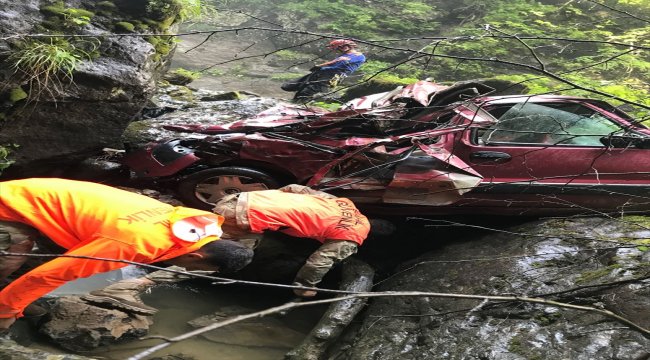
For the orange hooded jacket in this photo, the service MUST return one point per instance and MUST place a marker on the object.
(306, 216)
(89, 219)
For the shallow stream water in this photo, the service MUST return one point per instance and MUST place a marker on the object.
(267, 338)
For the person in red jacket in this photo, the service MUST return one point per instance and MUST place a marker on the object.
(301, 212)
(86, 219)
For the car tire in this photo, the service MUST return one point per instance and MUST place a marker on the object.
(204, 188)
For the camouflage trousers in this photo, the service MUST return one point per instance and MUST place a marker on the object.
(15, 238)
(322, 260)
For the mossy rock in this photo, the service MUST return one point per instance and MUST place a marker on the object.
(181, 76)
(125, 25)
(231, 95)
(61, 10)
(182, 93)
(106, 5)
(54, 9)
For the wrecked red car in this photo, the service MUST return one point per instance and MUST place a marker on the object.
(424, 149)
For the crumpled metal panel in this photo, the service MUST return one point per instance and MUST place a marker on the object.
(440, 178)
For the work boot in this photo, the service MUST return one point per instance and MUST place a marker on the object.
(123, 295)
(34, 311)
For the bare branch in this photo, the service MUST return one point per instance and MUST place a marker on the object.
(619, 11)
(539, 61)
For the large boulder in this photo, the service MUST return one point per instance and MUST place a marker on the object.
(594, 262)
(83, 92)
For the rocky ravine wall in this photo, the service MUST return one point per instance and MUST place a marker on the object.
(50, 117)
(594, 262)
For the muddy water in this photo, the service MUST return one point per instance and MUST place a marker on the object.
(268, 338)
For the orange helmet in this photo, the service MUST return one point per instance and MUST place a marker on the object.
(335, 44)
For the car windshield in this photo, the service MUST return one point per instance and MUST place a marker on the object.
(548, 124)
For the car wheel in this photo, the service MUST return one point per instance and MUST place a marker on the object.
(204, 188)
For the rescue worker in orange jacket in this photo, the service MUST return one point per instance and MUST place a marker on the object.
(93, 220)
(301, 212)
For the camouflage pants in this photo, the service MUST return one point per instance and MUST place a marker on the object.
(322, 260)
(15, 238)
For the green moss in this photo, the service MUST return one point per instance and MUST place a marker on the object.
(182, 93)
(106, 5)
(214, 72)
(548, 319)
(55, 9)
(162, 44)
(519, 347)
(638, 219)
(589, 276)
(326, 105)
(17, 94)
(187, 73)
(125, 25)
(68, 17)
(79, 13)
(140, 25)
(515, 346)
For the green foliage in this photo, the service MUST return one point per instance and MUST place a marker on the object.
(360, 20)
(169, 12)
(46, 64)
(162, 44)
(48, 57)
(5, 151)
(476, 51)
(381, 71)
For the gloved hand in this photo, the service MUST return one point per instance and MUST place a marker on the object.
(6, 323)
(314, 68)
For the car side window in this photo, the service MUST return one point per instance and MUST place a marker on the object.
(547, 124)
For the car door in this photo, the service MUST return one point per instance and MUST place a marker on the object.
(551, 155)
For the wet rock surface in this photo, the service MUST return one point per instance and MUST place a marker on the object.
(76, 325)
(59, 120)
(11, 350)
(576, 261)
(178, 105)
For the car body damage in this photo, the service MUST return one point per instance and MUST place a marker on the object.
(438, 149)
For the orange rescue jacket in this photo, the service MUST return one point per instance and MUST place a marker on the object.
(306, 216)
(89, 219)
